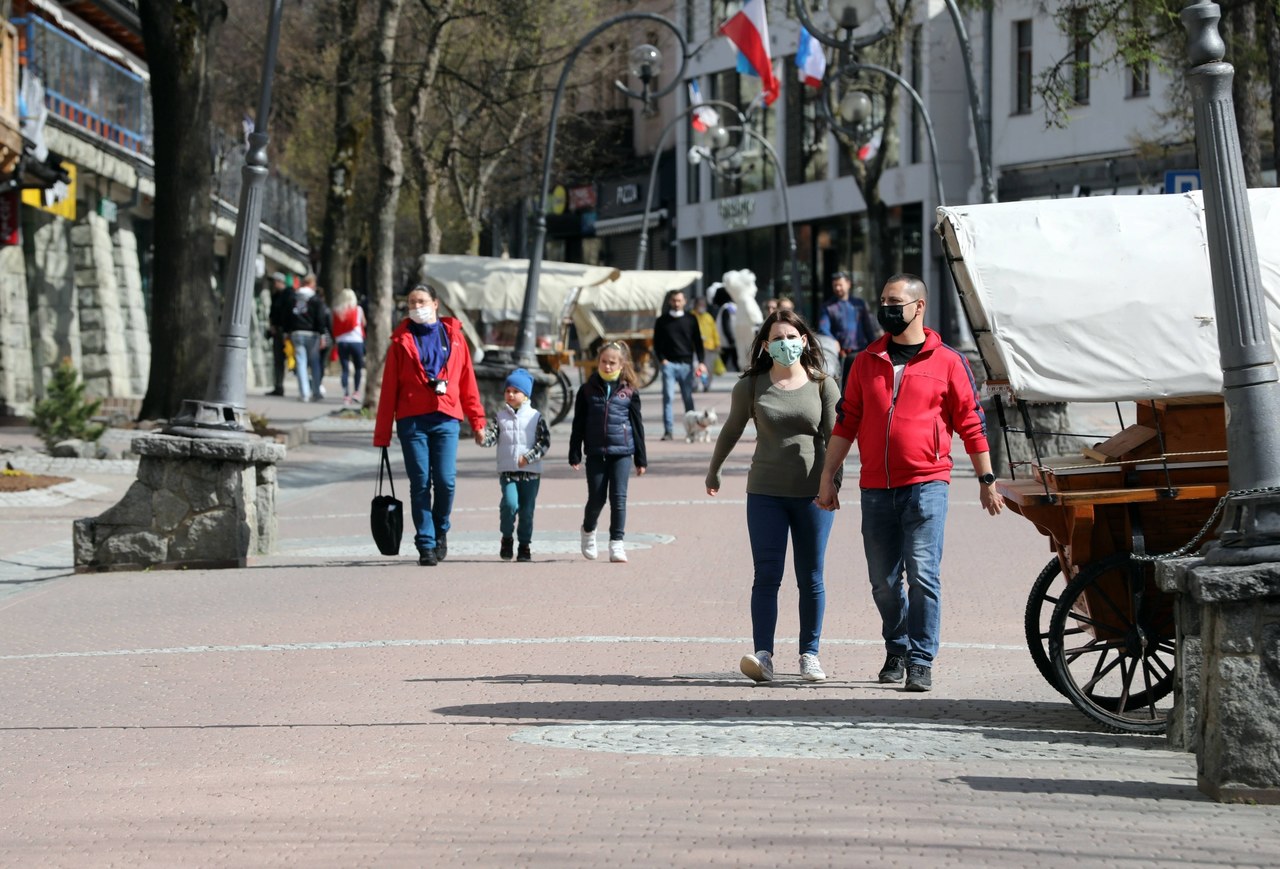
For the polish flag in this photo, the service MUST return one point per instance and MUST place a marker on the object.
(869, 149)
(704, 117)
(810, 59)
(749, 31)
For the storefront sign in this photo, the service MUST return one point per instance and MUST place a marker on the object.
(558, 200)
(582, 198)
(627, 194)
(10, 218)
(736, 211)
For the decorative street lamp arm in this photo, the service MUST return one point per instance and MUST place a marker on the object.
(653, 170)
(525, 341)
(840, 44)
(980, 130)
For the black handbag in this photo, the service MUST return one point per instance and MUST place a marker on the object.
(386, 513)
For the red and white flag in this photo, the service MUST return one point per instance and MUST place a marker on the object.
(749, 31)
(704, 117)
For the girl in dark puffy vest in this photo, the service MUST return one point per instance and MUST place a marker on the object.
(608, 430)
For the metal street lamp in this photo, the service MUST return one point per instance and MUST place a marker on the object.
(645, 62)
(1249, 378)
(221, 414)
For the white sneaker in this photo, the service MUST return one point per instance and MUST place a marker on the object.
(810, 669)
(589, 545)
(758, 666)
(617, 551)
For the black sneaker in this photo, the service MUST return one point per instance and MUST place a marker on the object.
(895, 667)
(523, 554)
(506, 552)
(666, 436)
(442, 545)
(427, 558)
(919, 678)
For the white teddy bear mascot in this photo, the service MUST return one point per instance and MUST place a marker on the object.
(741, 285)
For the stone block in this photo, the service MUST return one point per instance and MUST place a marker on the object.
(72, 448)
(82, 541)
(223, 450)
(151, 471)
(131, 511)
(1236, 631)
(1221, 584)
(217, 535)
(162, 446)
(141, 547)
(168, 510)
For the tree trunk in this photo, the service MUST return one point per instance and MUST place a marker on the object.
(386, 140)
(1271, 18)
(335, 246)
(1242, 34)
(184, 308)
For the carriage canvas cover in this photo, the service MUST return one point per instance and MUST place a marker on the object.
(1104, 298)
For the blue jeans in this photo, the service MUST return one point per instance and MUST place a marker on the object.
(351, 353)
(306, 361)
(607, 477)
(430, 446)
(518, 500)
(902, 537)
(673, 373)
(769, 520)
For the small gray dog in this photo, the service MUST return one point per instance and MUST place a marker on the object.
(698, 423)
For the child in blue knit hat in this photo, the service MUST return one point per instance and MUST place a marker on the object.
(522, 438)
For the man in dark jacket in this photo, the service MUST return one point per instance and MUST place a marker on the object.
(906, 395)
(677, 344)
(278, 329)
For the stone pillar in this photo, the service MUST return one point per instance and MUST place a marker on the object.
(17, 385)
(133, 307)
(1183, 733)
(197, 503)
(104, 358)
(51, 295)
(1238, 756)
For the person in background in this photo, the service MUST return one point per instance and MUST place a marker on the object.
(278, 329)
(522, 438)
(308, 318)
(726, 316)
(905, 397)
(607, 427)
(677, 345)
(847, 319)
(710, 340)
(792, 402)
(428, 387)
(348, 338)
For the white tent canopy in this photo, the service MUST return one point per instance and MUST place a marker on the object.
(1105, 298)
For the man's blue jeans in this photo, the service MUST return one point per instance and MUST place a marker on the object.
(430, 446)
(769, 520)
(673, 373)
(518, 499)
(902, 537)
(306, 361)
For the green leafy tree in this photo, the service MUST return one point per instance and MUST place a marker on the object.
(66, 412)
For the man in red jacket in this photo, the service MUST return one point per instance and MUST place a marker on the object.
(905, 396)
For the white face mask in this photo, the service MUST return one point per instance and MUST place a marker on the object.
(425, 314)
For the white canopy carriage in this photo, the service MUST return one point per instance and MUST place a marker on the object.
(1104, 298)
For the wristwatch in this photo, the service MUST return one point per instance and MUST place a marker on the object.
(986, 479)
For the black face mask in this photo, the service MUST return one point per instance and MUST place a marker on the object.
(891, 319)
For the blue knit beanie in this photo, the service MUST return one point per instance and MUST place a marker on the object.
(521, 380)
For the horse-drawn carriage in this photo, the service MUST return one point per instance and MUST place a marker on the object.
(1107, 299)
(580, 307)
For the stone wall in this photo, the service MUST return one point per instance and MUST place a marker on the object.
(51, 295)
(104, 361)
(17, 384)
(133, 306)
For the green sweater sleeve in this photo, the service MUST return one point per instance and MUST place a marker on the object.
(741, 401)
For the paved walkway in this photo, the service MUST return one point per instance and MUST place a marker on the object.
(327, 706)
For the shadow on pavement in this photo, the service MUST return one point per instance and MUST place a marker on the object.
(1138, 790)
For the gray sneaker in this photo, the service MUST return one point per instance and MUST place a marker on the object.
(919, 678)
(810, 669)
(758, 666)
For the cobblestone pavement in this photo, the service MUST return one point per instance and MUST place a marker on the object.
(327, 706)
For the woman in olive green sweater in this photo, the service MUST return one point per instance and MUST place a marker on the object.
(793, 404)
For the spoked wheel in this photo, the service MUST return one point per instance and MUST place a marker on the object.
(559, 399)
(1111, 641)
(646, 365)
(1040, 604)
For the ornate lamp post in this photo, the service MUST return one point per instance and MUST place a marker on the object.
(221, 413)
(645, 63)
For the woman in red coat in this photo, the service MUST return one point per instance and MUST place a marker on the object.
(428, 388)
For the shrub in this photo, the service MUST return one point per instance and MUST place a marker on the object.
(66, 412)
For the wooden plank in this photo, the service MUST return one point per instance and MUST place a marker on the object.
(1120, 445)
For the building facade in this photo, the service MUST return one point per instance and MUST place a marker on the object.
(75, 272)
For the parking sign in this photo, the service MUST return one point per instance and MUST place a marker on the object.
(1181, 180)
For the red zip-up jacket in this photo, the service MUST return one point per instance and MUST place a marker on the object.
(406, 392)
(907, 440)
